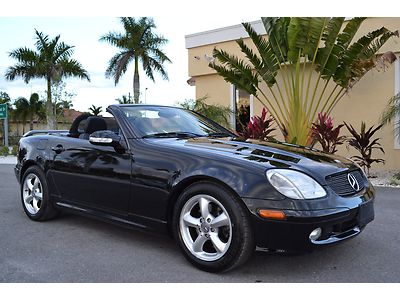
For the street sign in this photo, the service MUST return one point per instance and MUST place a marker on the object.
(3, 111)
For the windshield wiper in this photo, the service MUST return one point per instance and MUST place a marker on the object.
(178, 134)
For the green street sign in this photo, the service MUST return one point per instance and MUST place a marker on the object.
(3, 111)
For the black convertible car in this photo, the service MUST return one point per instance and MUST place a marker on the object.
(175, 171)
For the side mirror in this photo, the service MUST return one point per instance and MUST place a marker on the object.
(105, 138)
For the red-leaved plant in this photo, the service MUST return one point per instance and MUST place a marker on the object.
(364, 142)
(324, 133)
(259, 127)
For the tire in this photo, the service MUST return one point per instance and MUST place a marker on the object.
(35, 195)
(212, 228)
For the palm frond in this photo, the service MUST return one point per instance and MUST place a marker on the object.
(72, 68)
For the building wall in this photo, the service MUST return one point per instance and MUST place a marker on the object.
(364, 102)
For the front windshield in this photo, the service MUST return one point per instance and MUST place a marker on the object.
(159, 122)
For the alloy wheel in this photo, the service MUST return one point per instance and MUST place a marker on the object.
(205, 227)
(32, 193)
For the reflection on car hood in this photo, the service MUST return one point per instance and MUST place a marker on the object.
(270, 154)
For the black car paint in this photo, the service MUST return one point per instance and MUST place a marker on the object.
(139, 187)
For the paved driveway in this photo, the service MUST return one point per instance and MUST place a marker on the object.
(77, 249)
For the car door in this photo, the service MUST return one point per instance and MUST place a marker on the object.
(92, 176)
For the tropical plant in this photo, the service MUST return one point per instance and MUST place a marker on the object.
(305, 66)
(125, 99)
(218, 113)
(35, 109)
(4, 99)
(22, 111)
(324, 133)
(95, 110)
(364, 143)
(259, 127)
(51, 61)
(138, 43)
(391, 111)
(4, 151)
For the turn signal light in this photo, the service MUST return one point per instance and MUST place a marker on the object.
(272, 214)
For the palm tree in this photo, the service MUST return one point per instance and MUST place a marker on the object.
(125, 99)
(22, 111)
(391, 111)
(95, 110)
(316, 62)
(138, 43)
(35, 108)
(51, 61)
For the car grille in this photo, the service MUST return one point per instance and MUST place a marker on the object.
(340, 184)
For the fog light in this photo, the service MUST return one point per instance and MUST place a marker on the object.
(315, 234)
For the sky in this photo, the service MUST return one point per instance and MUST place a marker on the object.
(84, 34)
(81, 23)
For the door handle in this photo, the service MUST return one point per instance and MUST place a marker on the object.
(58, 149)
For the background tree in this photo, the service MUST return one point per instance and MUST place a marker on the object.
(4, 99)
(316, 61)
(62, 99)
(215, 112)
(138, 43)
(22, 111)
(95, 110)
(35, 109)
(52, 61)
(125, 99)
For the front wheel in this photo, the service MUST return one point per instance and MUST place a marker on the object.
(212, 228)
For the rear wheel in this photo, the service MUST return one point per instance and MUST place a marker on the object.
(212, 228)
(35, 195)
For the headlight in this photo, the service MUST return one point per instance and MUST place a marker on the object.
(294, 184)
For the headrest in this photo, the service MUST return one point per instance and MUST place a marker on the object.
(95, 124)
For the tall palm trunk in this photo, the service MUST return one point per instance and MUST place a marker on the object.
(136, 82)
(51, 123)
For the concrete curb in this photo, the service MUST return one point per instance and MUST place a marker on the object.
(8, 160)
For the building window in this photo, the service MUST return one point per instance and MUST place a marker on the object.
(242, 107)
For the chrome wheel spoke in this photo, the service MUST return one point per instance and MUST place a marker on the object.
(35, 204)
(191, 221)
(199, 243)
(203, 203)
(221, 220)
(219, 245)
(36, 183)
(28, 199)
(39, 196)
(29, 184)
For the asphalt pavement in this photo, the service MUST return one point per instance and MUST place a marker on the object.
(78, 249)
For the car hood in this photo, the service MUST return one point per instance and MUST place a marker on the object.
(269, 154)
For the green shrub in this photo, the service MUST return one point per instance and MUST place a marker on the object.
(4, 151)
(14, 150)
(394, 181)
(396, 176)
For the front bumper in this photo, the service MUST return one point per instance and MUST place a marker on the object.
(293, 233)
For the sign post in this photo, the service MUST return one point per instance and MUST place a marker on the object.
(4, 116)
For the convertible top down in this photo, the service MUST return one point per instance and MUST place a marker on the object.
(174, 171)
